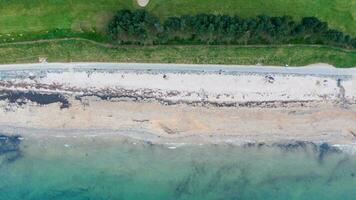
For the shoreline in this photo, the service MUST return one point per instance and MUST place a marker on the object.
(133, 137)
(222, 104)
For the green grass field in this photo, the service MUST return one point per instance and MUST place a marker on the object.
(17, 16)
(77, 51)
(26, 20)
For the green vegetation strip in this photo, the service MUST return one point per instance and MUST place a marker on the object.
(29, 20)
(19, 16)
(87, 51)
(141, 27)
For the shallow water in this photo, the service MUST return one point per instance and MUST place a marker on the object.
(115, 168)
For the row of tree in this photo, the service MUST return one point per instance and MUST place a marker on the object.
(140, 27)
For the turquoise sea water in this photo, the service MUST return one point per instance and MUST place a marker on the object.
(107, 168)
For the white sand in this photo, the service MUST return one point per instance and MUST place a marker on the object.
(216, 88)
(350, 89)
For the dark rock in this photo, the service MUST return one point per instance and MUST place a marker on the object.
(269, 79)
(10, 147)
(325, 149)
(321, 150)
(254, 144)
(9, 144)
(292, 146)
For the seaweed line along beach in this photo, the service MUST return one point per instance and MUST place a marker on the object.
(168, 103)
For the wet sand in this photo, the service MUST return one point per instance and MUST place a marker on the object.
(195, 124)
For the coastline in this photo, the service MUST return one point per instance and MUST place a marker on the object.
(194, 104)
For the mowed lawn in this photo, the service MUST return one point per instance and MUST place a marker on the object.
(84, 51)
(18, 16)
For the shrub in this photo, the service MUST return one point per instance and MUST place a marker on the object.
(140, 27)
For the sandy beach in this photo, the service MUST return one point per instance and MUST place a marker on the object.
(191, 103)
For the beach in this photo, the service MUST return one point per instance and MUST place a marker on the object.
(164, 131)
(183, 103)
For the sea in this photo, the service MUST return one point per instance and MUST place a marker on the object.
(117, 168)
